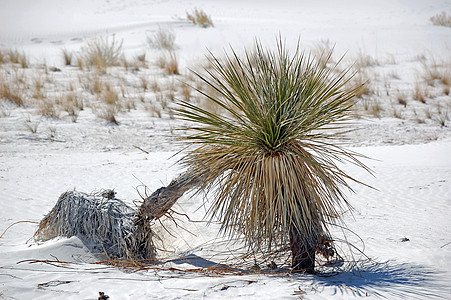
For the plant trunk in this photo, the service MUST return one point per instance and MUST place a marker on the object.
(157, 204)
(302, 253)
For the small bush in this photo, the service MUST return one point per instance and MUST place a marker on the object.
(162, 39)
(441, 19)
(200, 18)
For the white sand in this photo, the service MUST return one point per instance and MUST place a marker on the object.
(411, 161)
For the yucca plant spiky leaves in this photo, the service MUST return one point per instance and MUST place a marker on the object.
(270, 157)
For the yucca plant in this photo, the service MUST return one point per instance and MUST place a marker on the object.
(270, 159)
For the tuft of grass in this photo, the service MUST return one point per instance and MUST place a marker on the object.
(102, 53)
(200, 18)
(363, 61)
(441, 117)
(141, 60)
(397, 114)
(3, 56)
(18, 57)
(109, 114)
(402, 99)
(375, 109)
(11, 91)
(144, 82)
(185, 91)
(109, 96)
(270, 157)
(67, 56)
(48, 108)
(441, 19)
(420, 92)
(32, 125)
(162, 39)
(362, 81)
(169, 63)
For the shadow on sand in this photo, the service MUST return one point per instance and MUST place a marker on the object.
(389, 279)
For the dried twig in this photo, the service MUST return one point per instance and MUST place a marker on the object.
(15, 223)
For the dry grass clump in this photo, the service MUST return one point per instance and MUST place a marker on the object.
(109, 96)
(108, 113)
(32, 125)
(72, 104)
(101, 53)
(162, 39)
(48, 108)
(38, 86)
(441, 19)
(421, 92)
(185, 91)
(91, 82)
(436, 71)
(363, 61)
(375, 109)
(397, 114)
(3, 56)
(321, 49)
(402, 99)
(67, 56)
(11, 90)
(362, 81)
(200, 18)
(17, 57)
(169, 63)
(141, 60)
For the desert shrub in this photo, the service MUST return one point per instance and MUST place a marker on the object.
(200, 18)
(441, 19)
(270, 157)
(162, 39)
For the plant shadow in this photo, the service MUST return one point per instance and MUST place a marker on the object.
(389, 279)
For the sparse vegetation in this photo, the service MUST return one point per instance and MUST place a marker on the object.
(200, 18)
(11, 90)
(402, 99)
(162, 39)
(101, 53)
(420, 93)
(169, 63)
(67, 56)
(441, 19)
(32, 125)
